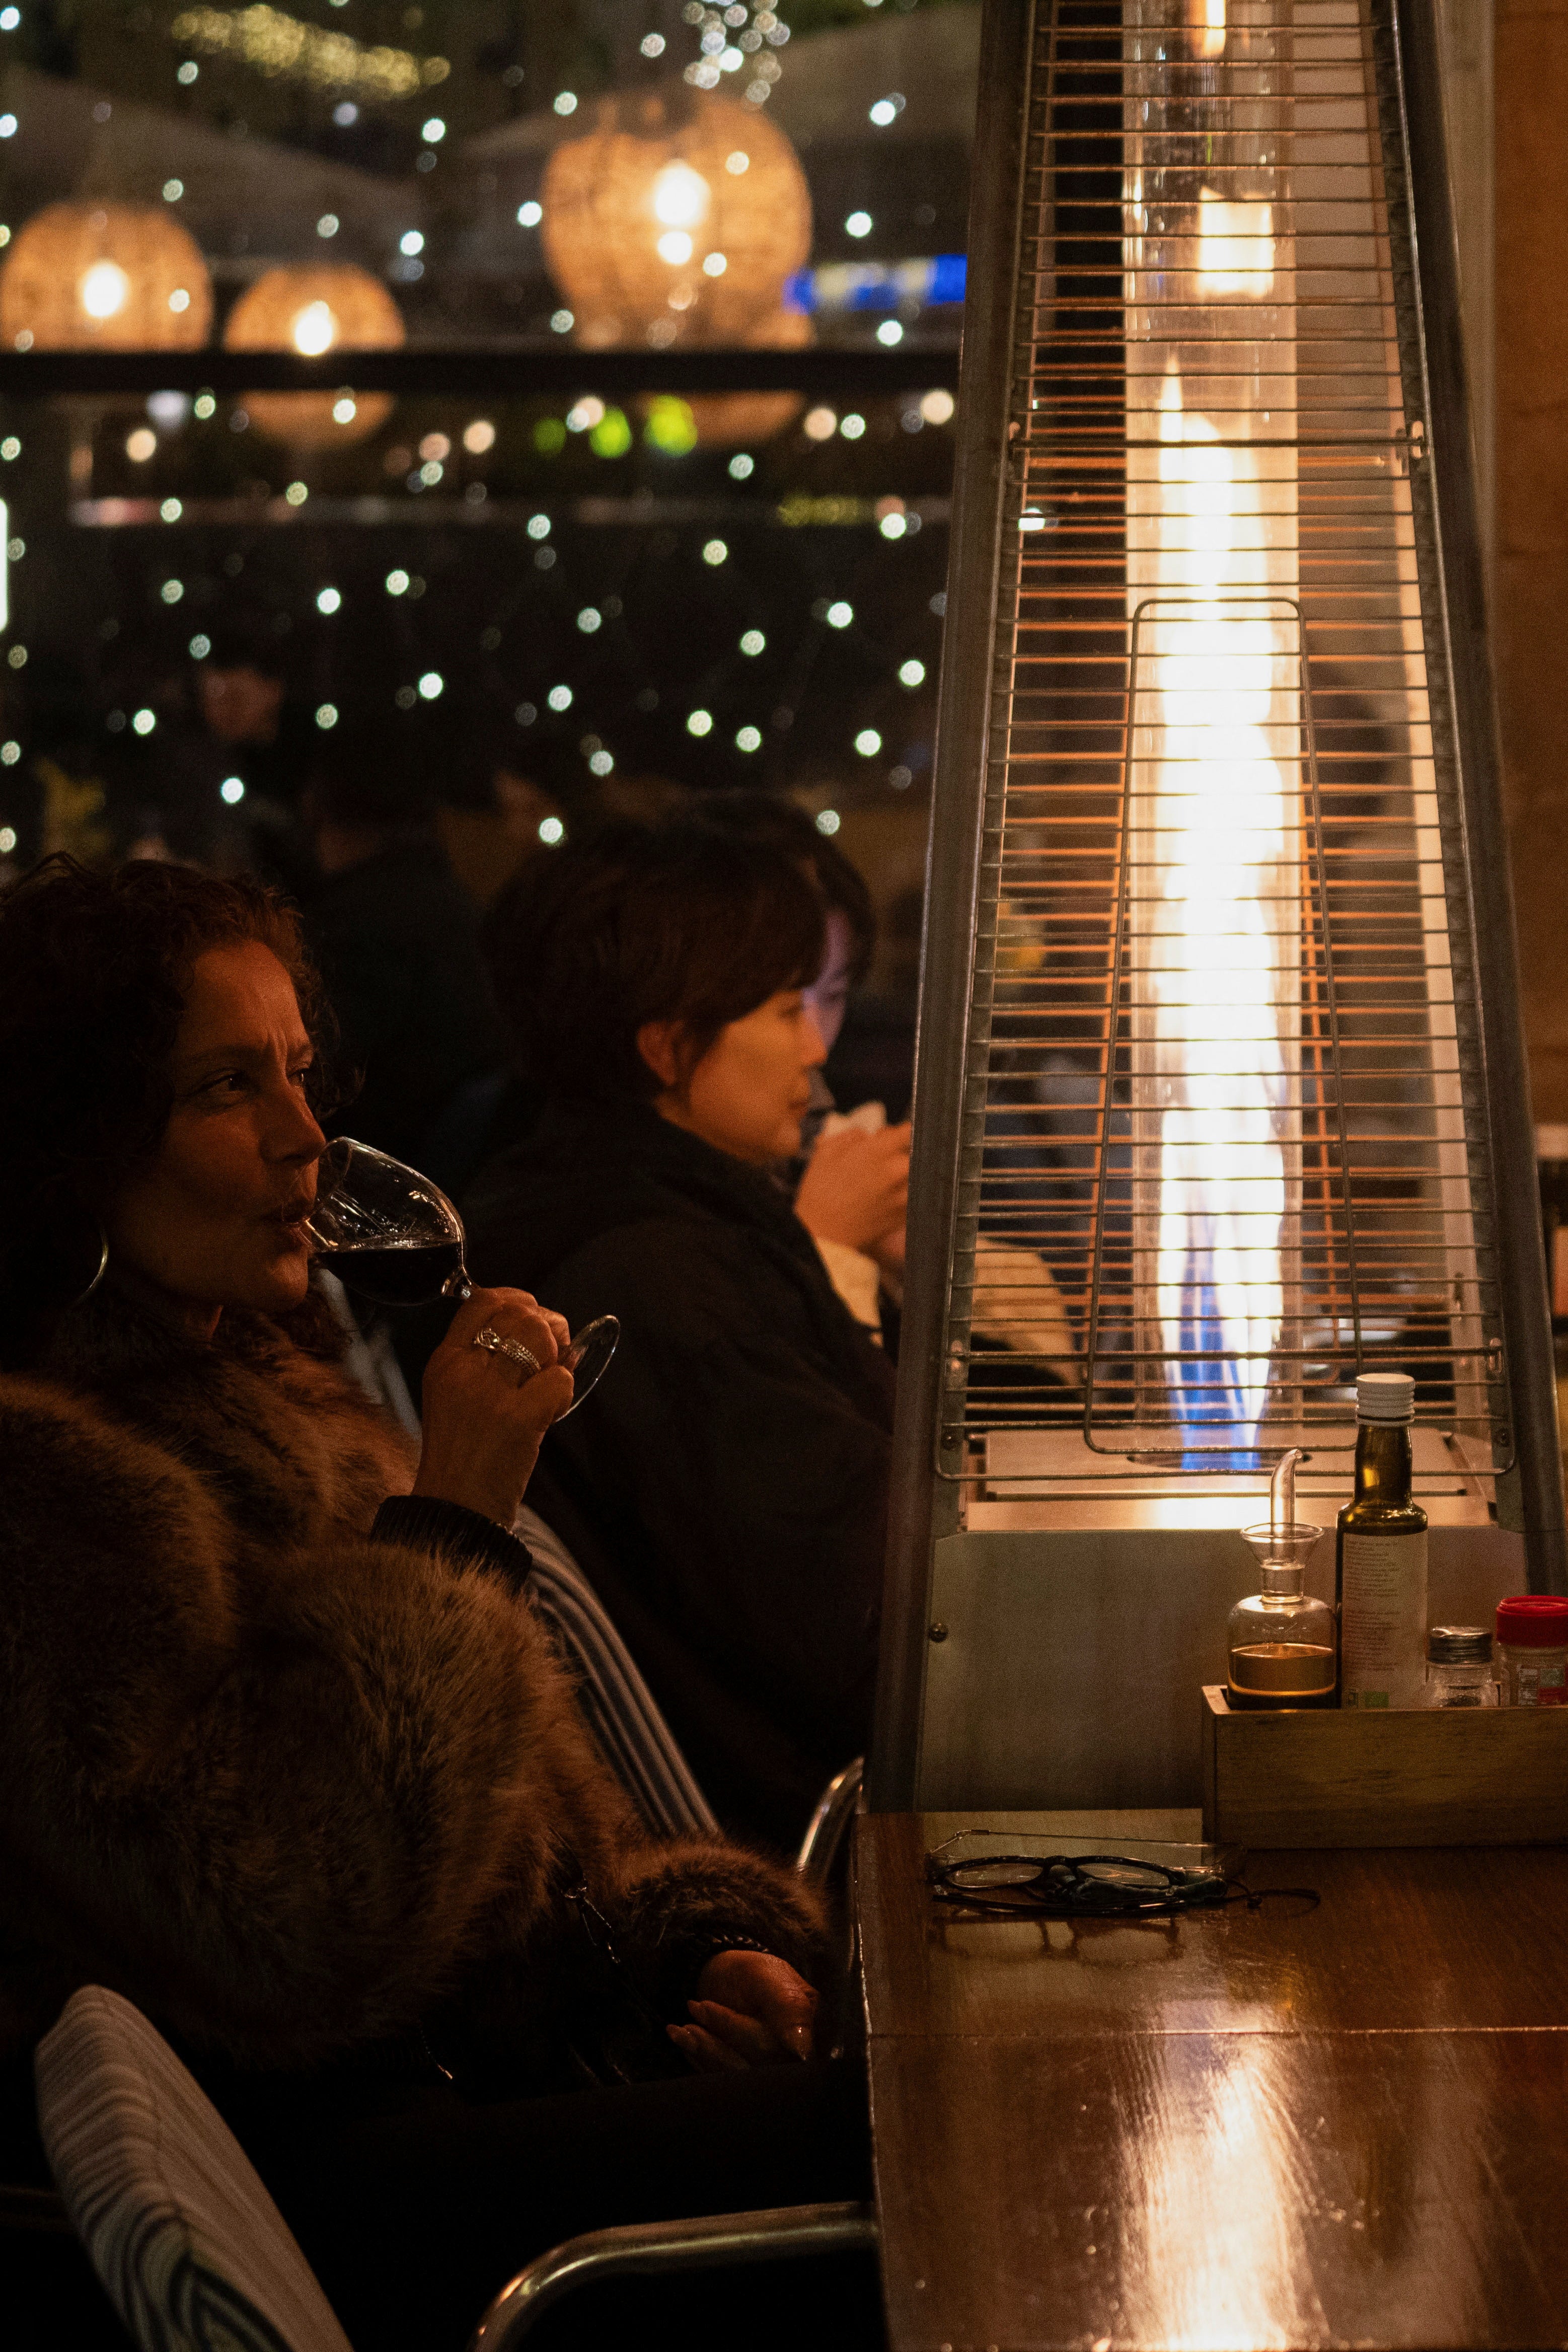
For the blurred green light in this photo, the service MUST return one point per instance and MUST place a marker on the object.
(671, 427)
(549, 435)
(611, 437)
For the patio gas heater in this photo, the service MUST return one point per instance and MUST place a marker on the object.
(1220, 1095)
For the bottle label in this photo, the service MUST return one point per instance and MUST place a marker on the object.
(1383, 1620)
(1539, 1685)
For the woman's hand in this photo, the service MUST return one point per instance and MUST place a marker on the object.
(856, 1186)
(484, 1415)
(751, 2010)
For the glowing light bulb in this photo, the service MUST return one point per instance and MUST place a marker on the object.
(681, 196)
(314, 330)
(105, 289)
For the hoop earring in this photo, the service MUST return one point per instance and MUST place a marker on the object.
(82, 1296)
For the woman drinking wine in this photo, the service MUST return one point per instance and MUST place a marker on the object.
(285, 1757)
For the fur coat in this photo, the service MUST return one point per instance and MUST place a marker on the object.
(293, 1790)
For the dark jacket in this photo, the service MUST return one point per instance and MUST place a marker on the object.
(291, 1767)
(725, 1486)
(397, 938)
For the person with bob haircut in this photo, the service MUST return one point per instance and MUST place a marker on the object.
(726, 1486)
(848, 1157)
(285, 1756)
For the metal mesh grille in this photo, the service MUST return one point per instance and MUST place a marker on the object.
(1223, 1141)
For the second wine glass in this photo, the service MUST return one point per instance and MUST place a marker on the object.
(392, 1237)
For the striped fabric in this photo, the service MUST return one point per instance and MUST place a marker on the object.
(192, 2250)
(628, 1728)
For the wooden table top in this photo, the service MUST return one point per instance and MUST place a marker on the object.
(1284, 2128)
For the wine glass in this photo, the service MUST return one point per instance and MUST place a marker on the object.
(388, 1232)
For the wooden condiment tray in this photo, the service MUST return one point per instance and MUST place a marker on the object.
(1323, 1776)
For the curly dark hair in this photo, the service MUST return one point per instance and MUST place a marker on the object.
(94, 973)
(636, 923)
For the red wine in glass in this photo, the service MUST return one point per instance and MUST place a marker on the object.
(403, 1273)
(392, 1237)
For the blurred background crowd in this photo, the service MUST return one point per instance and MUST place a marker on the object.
(384, 645)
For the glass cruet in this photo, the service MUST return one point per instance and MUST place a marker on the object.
(1280, 1644)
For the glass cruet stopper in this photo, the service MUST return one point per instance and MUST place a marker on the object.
(1280, 1649)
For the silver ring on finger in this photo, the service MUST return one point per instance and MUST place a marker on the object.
(497, 1344)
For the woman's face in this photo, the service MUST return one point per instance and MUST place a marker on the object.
(750, 1090)
(215, 1218)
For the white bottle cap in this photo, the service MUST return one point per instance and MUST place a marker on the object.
(1385, 1396)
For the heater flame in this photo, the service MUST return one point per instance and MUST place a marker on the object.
(1205, 21)
(1221, 814)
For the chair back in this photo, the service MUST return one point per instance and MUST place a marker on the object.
(190, 2249)
(622, 1714)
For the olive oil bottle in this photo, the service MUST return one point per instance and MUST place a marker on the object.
(1381, 1567)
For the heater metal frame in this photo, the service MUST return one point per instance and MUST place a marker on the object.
(957, 970)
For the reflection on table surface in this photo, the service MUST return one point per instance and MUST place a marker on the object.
(1271, 2127)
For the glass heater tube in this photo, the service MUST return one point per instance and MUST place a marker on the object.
(1214, 835)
